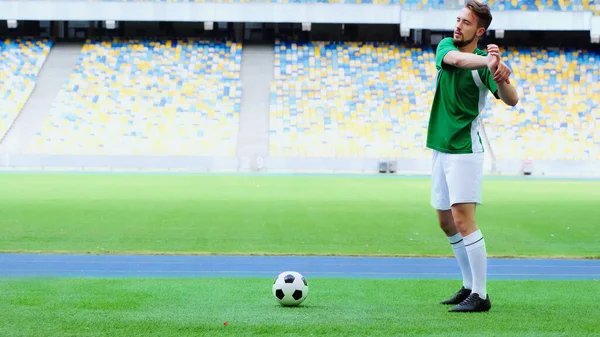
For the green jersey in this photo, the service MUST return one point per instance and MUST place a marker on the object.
(460, 96)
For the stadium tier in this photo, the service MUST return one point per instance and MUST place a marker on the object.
(174, 97)
(350, 100)
(373, 100)
(20, 63)
(496, 5)
(558, 116)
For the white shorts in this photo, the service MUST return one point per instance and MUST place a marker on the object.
(456, 178)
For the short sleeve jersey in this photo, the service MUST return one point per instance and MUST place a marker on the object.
(460, 96)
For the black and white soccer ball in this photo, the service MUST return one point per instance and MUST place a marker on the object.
(290, 288)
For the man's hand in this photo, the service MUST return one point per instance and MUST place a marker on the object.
(498, 68)
(502, 73)
(493, 57)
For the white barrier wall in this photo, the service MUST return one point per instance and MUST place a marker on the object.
(77, 10)
(595, 29)
(506, 20)
(18, 162)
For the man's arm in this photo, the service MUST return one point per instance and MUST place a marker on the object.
(508, 93)
(465, 60)
(448, 56)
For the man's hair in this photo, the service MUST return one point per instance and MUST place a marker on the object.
(482, 12)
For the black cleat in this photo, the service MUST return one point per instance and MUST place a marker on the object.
(460, 296)
(473, 303)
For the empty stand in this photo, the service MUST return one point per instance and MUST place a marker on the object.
(350, 100)
(20, 63)
(174, 97)
(372, 100)
(56, 70)
(327, 99)
(496, 5)
(558, 116)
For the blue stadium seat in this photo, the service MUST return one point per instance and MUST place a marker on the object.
(20, 62)
(350, 100)
(176, 97)
(496, 5)
(372, 100)
(557, 116)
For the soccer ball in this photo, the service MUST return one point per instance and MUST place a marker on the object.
(290, 288)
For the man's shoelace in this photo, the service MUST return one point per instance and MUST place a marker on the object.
(468, 300)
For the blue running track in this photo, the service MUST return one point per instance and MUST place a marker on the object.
(33, 265)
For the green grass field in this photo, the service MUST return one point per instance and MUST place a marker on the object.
(213, 214)
(189, 307)
(283, 214)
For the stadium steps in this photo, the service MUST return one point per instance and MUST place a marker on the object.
(257, 73)
(62, 59)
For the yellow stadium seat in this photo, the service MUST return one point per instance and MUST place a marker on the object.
(140, 103)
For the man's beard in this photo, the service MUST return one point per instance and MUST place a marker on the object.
(464, 42)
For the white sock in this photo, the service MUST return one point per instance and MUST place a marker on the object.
(458, 246)
(475, 246)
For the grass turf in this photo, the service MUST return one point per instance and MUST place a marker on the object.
(283, 215)
(192, 307)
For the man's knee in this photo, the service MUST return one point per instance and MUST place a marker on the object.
(463, 216)
(447, 222)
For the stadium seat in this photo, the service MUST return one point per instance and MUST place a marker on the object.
(20, 62)
(592, 5)
(173, 97)
(372, 100)
(350, 100)
(496, 5)
(557, 116)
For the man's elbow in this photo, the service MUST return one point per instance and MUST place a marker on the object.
(458, 61)
(508, 94)
(454, 59)
(512, 101)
